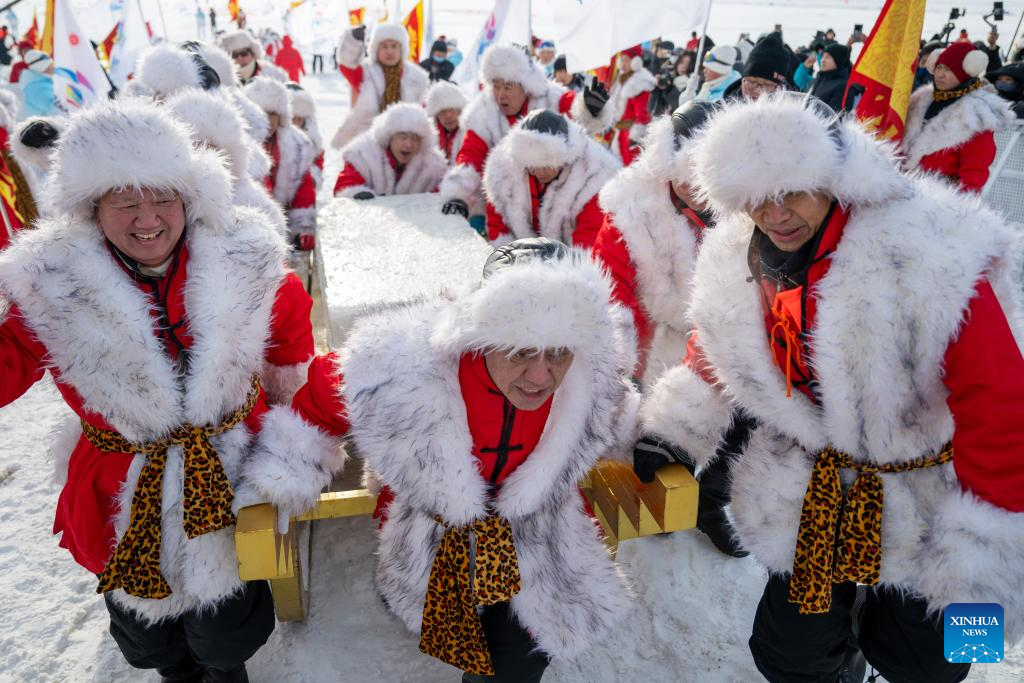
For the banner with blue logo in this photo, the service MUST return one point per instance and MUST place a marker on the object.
(973, 633)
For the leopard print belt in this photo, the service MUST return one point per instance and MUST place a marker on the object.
(820, 560)
(207, 499)
(451, 629)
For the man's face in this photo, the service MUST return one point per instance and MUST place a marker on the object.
(449, 119)
(546, 56)
(827, 63)
(146, 225)
(945, 79)
(298, 121)
(689, 195)
(792, 222)
(389, 52)
(545, 175)
(275, 121)
(710, 74)
(662, 53)
(404, 146)
(528, 377)
(439, 56)
(243, 57)
(753, 87)
(509, 96)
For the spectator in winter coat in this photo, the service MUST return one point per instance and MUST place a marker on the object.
(398, 155)
(991, 50)
(290, 179)
(562, 76)
(289, 59)
(1009, 83)
(880, 370)
(304, 118)
(437, 66)
(664, 98)
(543, 180)
(546, 57)
(378, 81)
(247, 54)
(37, 84)
(513, 86)
(766, 70)
(829, 85)
(623, 120)
(718, 72)
(454, 55)
(163, 313)
(444, 104)
(951, 125)
(479, 414)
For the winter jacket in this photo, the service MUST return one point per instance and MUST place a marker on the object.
(625, 116)
(290, 180)
(716, 89)
(289, 59)
(114, 341)
(959, 142)
(438, 71)
(663, 101)
(830, 88)
(369, 167)
(447, 141)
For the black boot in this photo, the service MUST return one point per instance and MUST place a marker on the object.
(854, 665)
(185, 671)
(236, 675)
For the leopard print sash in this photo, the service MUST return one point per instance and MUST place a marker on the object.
(820, 560)
(135, 564)
(451, 629)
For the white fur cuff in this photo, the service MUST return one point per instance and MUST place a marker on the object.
(282, 381)
(350, 50)
(460, 182)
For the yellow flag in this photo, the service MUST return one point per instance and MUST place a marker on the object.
(414, 27)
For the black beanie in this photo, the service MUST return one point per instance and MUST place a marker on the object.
(689, 117)
(525, 249)
(769, 59)
(439, 46)
(840, 55)
(547, 122)
(560, 64)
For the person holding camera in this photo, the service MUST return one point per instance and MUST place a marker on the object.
(665, 96)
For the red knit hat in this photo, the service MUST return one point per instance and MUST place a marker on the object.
(964, 60)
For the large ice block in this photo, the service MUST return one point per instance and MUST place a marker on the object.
(388, 250)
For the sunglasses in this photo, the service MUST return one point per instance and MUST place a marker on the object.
(241, 53)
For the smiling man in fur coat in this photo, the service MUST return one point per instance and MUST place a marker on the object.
(871, 324)
(398, 155)
(480, 412)
(543, 179)
(156, 305)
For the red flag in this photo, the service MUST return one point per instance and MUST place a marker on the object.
(32, 34)
(233, 9)
(106, 48)
(355, 16)
(414, 27)
(886, 67)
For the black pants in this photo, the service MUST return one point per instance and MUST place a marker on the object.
(222, 639)
(895, 635)
(511, 649)
(318, 59)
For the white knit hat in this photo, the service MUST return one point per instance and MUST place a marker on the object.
(271, 96)
(513, 65)
(444, 95)
(720, 59)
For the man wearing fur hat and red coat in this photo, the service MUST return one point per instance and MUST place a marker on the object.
(951, 124)
(290, 181)
(623, 121)
(156, 305)
(378, 77)
(543, 179)
(445, 102)
(520, 383)
(247, 53)
(513, 86)
(870, 322)
(398, 155)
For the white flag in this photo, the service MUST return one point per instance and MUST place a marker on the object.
(132, 39)
(590, 32)
(78, 78)
(507, 24)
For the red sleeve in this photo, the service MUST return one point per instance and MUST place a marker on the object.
(640, 113)
(473, 151)
(354, 78)
(565, 102)
(495, 223)
(610, 248)
(305, 196)
(291, 332)
(588, 223)
(349, 177)
(319, 401)
(16, 71)
(985, 379)
(976, 156)
(21, 358)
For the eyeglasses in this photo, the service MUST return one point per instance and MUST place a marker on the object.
(241, 53)
(759, 85)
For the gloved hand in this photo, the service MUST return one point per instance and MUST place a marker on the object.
(304, 242)
(650, 453)
(453, 206)
(595, 97)
(39, 134)
(363, 196)
(359, 33)
(693, 83)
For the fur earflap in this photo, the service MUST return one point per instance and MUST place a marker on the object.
(134, 144)
(512, 64)
(213, 120)
(220, 61)
(238, 40)
(752, 152)
(38, 158)
(302, 103)
(403, 117)
(662, 157)
(165, 69)
(389, 32)
(271, 96)
(535, 304)
(444, 95)
(975, 63)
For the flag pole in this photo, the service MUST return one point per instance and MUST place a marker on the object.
(529, 24)
(7, 223)
(704, 33)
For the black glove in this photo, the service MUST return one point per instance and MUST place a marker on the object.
(595, 97)
(39, 134)
(359, 33)
(650, 453)
(458, 206)
(364, 195)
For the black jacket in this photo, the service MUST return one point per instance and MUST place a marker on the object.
(830, 86)
(438, 71)
(663, 101)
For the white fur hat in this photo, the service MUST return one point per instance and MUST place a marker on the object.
(389, 32)
(135, 144)
(221, 62)
(444, 95)
(211, 119)
(535, 149)
(512, 64)
(8, 109)
(238, 40)
(660, 152)
(751, 152)
(165, 69)
(271, 96)
(535, 303)
(37, 157)
(302, 103)
(403, 117)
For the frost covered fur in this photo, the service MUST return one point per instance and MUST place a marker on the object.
(409, 422)
(165, 69)
(444, 95)
(586, 167)
(31, 157)
(512, 64)
(271, 96)
(239, 40)
(751, 152)
(973, 113)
